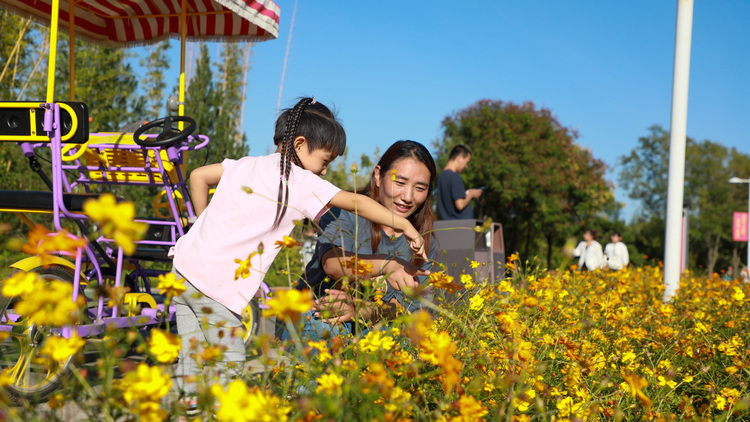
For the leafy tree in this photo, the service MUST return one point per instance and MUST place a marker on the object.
(539, 183)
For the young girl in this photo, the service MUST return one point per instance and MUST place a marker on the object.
(226, 253)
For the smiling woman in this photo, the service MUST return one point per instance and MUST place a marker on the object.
(402, 182)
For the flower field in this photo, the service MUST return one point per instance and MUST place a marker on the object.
(533, 346)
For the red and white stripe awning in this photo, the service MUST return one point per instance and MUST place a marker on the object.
(125, 23)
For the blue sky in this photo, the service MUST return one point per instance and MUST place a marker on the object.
(394, 70)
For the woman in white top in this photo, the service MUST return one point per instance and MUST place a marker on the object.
(589, 252)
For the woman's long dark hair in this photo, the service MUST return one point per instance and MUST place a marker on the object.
(320, 128)
(422, 218)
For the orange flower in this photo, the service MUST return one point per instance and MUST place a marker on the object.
(442, 280)
(637, 384)
(359, 267)
(287, 242)
(45, 244)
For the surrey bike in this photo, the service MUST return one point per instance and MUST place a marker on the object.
(89, 262)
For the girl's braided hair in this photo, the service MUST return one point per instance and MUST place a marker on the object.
(320, 128)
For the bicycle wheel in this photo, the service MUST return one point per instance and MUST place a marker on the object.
(32, 377)
(251, 320)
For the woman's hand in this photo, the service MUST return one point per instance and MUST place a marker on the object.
(402, 275)
(339, 306)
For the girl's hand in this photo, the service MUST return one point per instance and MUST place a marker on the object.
(416, 242)
(402, 275)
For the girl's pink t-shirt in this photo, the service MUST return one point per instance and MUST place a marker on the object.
(236, 223)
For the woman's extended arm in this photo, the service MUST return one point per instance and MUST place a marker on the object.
(399, 273)
(338, 306)
(371, 210)
(201, 180)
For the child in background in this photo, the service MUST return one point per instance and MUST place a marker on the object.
(226, 253)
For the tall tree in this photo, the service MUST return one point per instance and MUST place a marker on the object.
(153, 83)
(229, 97)
(17, 64)
(538, 181)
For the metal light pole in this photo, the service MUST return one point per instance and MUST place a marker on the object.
(738, 180)
(677, 140)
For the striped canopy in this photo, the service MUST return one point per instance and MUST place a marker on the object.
(122, 23)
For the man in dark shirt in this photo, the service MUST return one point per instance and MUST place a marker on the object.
(453, 199)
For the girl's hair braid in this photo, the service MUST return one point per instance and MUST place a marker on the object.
(288, 156)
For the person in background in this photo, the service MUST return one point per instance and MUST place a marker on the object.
(589, 252)
(617, 256)
(729, 273)
(452, 198)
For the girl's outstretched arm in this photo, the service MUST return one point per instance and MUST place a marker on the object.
(201, 180)
(370, 209)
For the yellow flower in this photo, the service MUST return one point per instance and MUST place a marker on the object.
(664, 382)
(165, 346)
(521, 405)
(146, 383)
(513, 257)
(170, 285)
(323, 353)
(329, 384)
(738, 294)
(702, 328)
(436, 346)
(470, 409)
(628, 357)
(474, 264)
(524, 351)
(688, 378)
(116, 221)
(244, 269)
(50, 304)
(21, 283)
(467, 281)
(720, 403)
(149, 411)
(438, 349)
(374, 341)
(60, 348)
(476, 303)
(238, 403)
(565, 406)
(286, 242)
(289, 304)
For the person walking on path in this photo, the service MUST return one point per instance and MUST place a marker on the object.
(617, 256)
(589, 252)
(453, 199)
